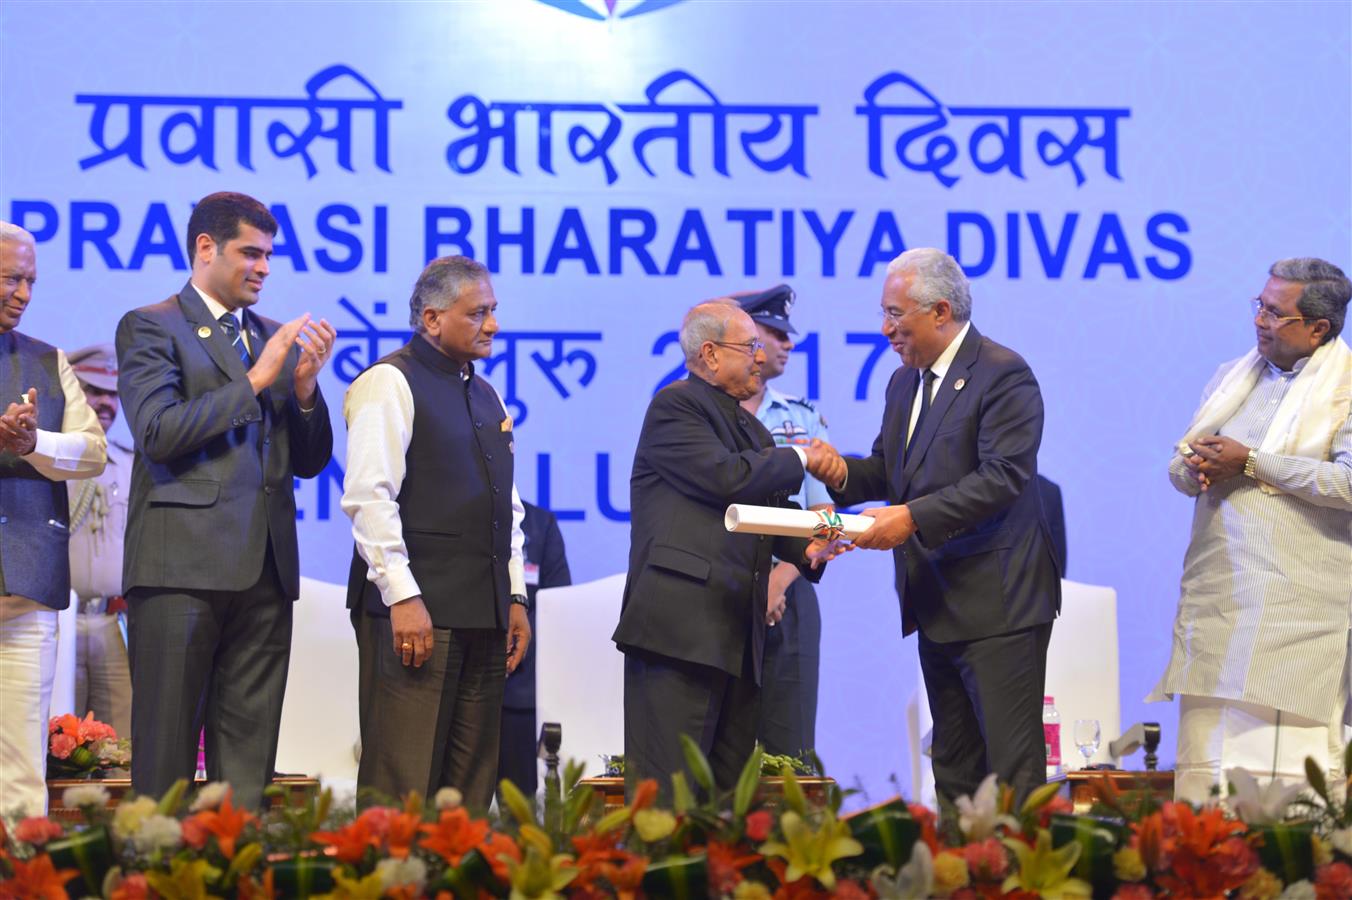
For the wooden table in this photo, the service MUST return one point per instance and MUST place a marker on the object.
(611, 790)
(295, 787)
(1077, 785)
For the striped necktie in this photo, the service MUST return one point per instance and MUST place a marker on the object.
(231, 328)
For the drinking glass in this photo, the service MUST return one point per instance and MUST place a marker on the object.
(1087, 738)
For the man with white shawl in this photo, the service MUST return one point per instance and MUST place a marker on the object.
(1260, 642)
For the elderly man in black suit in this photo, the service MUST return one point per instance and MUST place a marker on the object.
(956, 459)
(224, 409)
(692, 624)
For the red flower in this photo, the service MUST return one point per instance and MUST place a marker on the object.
(62, 745)
(1058, 804)
(644, 794)
(1134, 892)
(1333, 881)
(403, 829)
(37, 830)
(987, 860)
(625, 879)
(926, 819)
(593, 851)
(453, 835)
(36, 879)
(1207, 861)
(134, 887)
(758, 825)
(496, 846)
(849, 890)
(804, 888)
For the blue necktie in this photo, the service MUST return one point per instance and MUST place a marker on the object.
(231, 328)
(926, 388)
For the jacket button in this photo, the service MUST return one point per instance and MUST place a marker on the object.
(495, 557)
(4, 519)
(495, 489)
(495, 524)
(268, 490)
(478, 424)
(488, 456)
(267, 440)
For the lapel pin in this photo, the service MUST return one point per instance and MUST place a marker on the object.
(960, 384)
(204, 332)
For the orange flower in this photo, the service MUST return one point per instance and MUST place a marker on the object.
(1208, 860)
(644, 794)
(350, 842)
(929, 832)
(626, 879)
(593, 850)
(37, 879)
(453, 835)
(725, 866)
(404, 828)
(249, 889)
(496, 846)
(225, 822)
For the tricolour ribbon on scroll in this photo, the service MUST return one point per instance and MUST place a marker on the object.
(742, 518)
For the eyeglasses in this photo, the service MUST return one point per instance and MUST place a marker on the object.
(753, 346)
(1268, 316)
(894, 317)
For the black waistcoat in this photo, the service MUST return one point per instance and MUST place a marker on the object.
(455, 503)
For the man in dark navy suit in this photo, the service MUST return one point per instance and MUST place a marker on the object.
(225, 409)
(956, 460)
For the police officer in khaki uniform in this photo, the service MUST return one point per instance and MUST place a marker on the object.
(98, 518)
(788, 710)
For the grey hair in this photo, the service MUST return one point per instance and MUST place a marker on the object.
(707, 321)
(9, 232)
(1326, 293)
(937, 276)
(440, 285)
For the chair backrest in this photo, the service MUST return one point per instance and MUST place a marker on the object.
(579, 673)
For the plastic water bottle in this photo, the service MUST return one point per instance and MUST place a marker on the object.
(1051, 736)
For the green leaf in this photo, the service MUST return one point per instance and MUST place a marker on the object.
(613, 819)
(172, 798)
(683, 799)
(747, 783)
(697, 763)
(793, 793)
(1315, 776)
(579, 801)
(245, 859)
(1040, 798)
(516, 802)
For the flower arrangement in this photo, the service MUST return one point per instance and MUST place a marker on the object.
(80, 747)
(1276, 844)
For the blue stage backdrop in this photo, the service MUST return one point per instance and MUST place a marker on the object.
(1116, 177)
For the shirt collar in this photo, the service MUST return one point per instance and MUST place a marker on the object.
(215, 308)
(773, 398)
(945, 360)
(1282, 373)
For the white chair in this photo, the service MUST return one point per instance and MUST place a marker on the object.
(579, 679)
(1082, 677)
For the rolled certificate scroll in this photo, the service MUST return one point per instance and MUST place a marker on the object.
(805, 523)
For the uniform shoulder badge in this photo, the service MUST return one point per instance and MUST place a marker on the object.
(800, 401)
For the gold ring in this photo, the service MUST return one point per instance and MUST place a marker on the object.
(406, 646)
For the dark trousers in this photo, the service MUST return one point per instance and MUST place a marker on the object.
(434, 726)
(787, 723)
(213, 659)
(986, 700)
(517, 759)
(664, 698)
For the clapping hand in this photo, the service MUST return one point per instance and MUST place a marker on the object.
(19, 425)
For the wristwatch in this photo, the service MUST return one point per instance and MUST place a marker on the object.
(521, 600)
(1251, 462)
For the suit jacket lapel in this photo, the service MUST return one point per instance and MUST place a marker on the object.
(901, 410)
(959, 371)
(199, 318)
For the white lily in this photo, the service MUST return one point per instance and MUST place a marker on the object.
(1260, 805)
(913, 881)
(979, 816)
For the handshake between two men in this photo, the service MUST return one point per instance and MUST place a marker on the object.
(892, 525)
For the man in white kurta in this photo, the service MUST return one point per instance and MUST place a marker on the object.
(1260, 642)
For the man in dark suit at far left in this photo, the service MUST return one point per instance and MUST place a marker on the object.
(224, 407)
(48, 434)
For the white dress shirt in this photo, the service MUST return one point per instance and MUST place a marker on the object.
(79, 449)
(940, 369)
